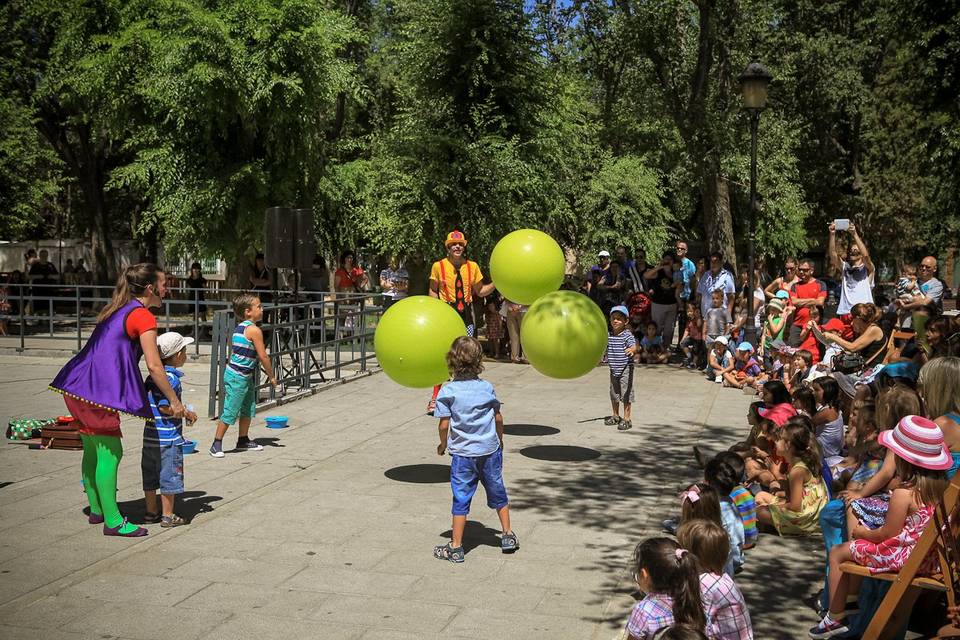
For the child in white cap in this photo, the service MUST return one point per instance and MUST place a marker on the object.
(161, 464)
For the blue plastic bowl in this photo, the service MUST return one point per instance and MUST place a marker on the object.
(190, 446)
(277, 422)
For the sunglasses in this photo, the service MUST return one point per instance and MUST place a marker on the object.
(805, 270)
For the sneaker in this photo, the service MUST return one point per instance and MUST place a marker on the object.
(446, 552)
(215, 451)
(828, 628)
(508, 543)
(718, 380)
(249, 445)
(611, 420)
(670, 525)
(625, 425)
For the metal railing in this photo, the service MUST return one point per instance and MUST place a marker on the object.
(311, 345)
(67, 312)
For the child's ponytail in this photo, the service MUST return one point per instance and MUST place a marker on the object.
(673, 571)
(687, 603)
(132, 282)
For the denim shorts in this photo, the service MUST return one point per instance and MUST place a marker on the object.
(239, 398)
(466, 472)
(162, 468)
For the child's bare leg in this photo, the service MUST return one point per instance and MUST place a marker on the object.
(616, 408)
(626, 411)
(456, 534)
(504, 514)
(839, 581)
(852, 520)
(168, 504)
(763, 515)
(150, 501)
(244, 427)
(731, 379)
(221, 430)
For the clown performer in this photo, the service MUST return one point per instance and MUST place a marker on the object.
(103, 381)
(456, 281)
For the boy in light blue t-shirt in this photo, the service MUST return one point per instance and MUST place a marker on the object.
(471, 428)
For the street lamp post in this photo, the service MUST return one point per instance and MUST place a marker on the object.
(753, 85)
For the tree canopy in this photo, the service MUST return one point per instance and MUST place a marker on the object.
(599, 121)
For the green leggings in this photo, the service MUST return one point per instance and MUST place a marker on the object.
(101, 457)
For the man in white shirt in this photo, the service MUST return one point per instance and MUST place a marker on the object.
(716, 278)
(856, 272)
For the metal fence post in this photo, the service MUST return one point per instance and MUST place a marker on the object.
(363, 336)
(76, 297)
(50, 312)
(196, 318)
(23, 321)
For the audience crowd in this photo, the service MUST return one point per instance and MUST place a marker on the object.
(854, 434)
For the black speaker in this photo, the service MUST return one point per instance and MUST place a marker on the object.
(278, 240)
(305, 242)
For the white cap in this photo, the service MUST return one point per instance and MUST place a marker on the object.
(722, 340)
(171, 342)
(603, 254)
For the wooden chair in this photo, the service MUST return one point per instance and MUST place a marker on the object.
(893, 349)
(938, 548)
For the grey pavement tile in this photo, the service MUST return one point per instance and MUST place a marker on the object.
(484, 562)
(260, 627)
(155, 562)
(383, 613)
(235, 570)
(330, 580)
(228, 597)
(496, 624)
(350, 554)
(116, 587)
(149, 621)
(48, 612)
(459, 588)
(9, 632)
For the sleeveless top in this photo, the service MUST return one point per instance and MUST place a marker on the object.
(873, 353)
(106, 372)
(243, 357)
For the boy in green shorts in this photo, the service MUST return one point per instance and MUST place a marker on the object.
(240, 396)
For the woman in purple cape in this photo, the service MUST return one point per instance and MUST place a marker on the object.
(103, 381)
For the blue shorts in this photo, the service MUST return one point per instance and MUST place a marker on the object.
(466, 472)
(162, 468)
(239, 398)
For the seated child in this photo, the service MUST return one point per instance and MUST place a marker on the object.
(797, 510)
(808, 339)
(746, 370)
(669, 577)
(651, 346)
(471, 427)
(921, 470)
(764, 465)
(161, 462)
(701, 500)
(719, 360)
(691, 342)
(727, 614)
(800, 369)
(725, 474)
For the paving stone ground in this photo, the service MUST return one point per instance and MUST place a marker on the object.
(328, 532)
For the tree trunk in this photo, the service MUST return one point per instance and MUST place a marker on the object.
(717, 221)
(105, 268)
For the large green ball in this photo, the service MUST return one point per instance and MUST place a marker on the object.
(413, 338)
(564, 334)
(526, 264)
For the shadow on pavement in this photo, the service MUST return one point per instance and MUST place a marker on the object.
(476, 534)
(420, 473)
(189, 504)
(560, 453)
(529, 430)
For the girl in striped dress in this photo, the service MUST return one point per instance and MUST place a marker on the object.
(240, 394)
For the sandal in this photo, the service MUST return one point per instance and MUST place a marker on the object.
(446, 552)
(172, 521)
(151, 518)
(508, 542)
(611, 420)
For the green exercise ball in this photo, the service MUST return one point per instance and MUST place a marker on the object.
(564, 334)
(413, 338)
(526, 264)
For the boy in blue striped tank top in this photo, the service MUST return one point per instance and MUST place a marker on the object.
(621, 348)
(240, 396)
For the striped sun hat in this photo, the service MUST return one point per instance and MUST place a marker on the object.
(918, 441)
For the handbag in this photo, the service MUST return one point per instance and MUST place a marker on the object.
(847, 362)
